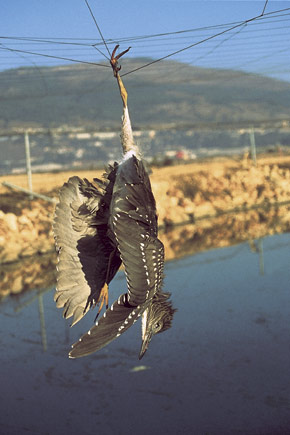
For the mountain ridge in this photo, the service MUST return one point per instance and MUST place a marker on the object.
(170, 93)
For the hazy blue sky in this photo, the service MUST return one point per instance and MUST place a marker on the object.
(70, 18)
(260, 48)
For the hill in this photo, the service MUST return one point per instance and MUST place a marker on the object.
(168, 93)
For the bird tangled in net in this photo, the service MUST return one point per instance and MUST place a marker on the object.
(97, 227)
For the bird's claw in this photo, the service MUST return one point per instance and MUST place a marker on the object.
(104, 297)
(114, 59)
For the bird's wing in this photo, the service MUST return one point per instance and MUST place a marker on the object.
(116, 320)
(133, 221)
(80, 230)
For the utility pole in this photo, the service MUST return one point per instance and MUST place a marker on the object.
(42, 322)
(28, 161)
(261, 256)
(253, 146)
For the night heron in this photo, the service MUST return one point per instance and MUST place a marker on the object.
(97, 227)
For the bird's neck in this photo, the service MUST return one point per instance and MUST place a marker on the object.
(127, 138)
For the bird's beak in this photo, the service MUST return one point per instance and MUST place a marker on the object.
(146, 335)
(145, 344)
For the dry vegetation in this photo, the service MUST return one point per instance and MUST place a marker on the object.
(49, 182)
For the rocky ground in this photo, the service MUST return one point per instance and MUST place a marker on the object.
(182, 196)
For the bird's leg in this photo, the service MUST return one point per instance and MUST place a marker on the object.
(104, 293)
(104, 297)
(127, 138)
(123, 92)
(111, 256)
(116, 69)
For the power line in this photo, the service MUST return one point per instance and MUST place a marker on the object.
(54, 57)
(245, 22)
(157, 40)
(265, 5)
(54, 40)
(188, 47)
(155, 43)
(99, 30)
(247, 34)
(238, 44)
(44, 40)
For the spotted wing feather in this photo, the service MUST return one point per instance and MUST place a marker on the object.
(133, 221)
(115, 321)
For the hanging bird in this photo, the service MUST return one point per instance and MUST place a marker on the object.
(97, 227)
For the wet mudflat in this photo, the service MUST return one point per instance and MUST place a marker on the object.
(223, 368)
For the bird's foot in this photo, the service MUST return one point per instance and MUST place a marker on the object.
(114, 59)
(104, 297)
(116, 68)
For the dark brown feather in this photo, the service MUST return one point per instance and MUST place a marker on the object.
(80, 229)
(115, 321)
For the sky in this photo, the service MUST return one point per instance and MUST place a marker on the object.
(261, 46)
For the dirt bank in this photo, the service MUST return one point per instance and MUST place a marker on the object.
(185, 193)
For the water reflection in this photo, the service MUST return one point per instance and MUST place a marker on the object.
(226, 230)
(257, 247)
(31, 273)
(221, 369)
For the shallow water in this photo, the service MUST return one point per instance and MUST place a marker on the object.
(223, 368)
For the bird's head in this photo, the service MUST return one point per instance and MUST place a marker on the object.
(155, 319)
